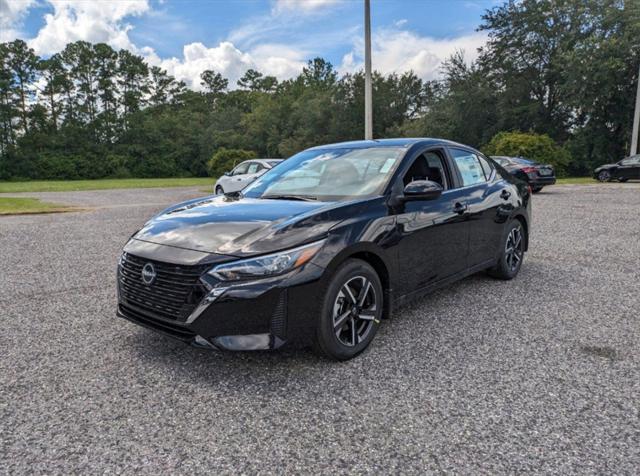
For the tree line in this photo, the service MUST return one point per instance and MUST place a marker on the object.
(562, 69)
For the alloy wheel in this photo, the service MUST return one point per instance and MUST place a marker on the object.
(604, 176)
(354, 311)
(514, 248)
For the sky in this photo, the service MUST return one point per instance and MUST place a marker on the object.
(276, 37)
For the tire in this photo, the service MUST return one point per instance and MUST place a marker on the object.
(219, 190)
(623, 180)
(345, 328)
(604, 176)
(535, 189)
(509, 263)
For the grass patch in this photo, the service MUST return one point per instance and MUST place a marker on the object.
(576, 180)
(15, 206)
(103, 184)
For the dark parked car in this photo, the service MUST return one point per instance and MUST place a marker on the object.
(323, 247)
(626, 169)
(535, 174)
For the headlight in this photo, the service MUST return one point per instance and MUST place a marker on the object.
(267, 265)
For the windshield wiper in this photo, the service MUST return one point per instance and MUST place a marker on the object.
(304, 198)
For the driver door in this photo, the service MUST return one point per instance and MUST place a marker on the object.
(434, 233)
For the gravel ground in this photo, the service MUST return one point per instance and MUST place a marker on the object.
(540, 374)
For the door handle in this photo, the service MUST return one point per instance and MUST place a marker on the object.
(460, 208)
(505, 194)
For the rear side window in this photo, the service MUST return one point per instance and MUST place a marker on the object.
(486, 167)
(469, 166)
(253, 168)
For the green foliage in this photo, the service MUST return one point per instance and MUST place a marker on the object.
(538, 147)
(226, 159)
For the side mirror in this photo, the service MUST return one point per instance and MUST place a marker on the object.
(422, 190)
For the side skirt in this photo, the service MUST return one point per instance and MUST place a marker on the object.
(418, 293)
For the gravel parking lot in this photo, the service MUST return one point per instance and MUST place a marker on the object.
(540, 374)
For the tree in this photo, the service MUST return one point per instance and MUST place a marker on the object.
(214, 83)
(226, 159)
(163, 88)
(23, 66)
(250, 80)
(54, 76)
(537, 147)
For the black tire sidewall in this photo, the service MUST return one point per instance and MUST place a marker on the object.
(219, 190)
(327, 342)
(604, 176)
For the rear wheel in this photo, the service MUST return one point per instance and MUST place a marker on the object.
(623, 180)
(604, 176)
(351, 311)
(512, 252)
(536, 189)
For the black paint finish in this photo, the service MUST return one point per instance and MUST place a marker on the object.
(415, 245)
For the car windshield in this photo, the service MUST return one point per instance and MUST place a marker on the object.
(502, 160)
(523, 161)
(329, 174)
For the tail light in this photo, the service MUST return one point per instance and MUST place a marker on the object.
(528, 170)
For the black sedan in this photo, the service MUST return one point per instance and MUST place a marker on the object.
(535, 174)
(322, 248)
(626, 169)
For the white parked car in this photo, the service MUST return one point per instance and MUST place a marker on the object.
(243, 174)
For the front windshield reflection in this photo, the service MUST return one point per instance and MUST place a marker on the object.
(329, 174)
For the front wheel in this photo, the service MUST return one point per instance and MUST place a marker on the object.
(351, 311)
(604, 176)
(512, 253)
(219, 190)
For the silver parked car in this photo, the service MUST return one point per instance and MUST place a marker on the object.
(243, 174)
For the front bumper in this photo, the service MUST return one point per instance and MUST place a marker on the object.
(256, 315)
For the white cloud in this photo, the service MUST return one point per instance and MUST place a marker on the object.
(93, 21)
(302, 6)
(277, 60)
(12, 13)
(397, 51)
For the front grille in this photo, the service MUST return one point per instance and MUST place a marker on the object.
(174, 293)
(139, 317)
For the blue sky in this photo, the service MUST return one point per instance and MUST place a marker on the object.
(274, 36)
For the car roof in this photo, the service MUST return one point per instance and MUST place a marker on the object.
(400, 142)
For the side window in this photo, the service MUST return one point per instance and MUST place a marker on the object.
(469, 166)
(241, 169)
(486, 167)
(428, 166)
(253, 167)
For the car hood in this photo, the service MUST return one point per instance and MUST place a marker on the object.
(241, 226)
